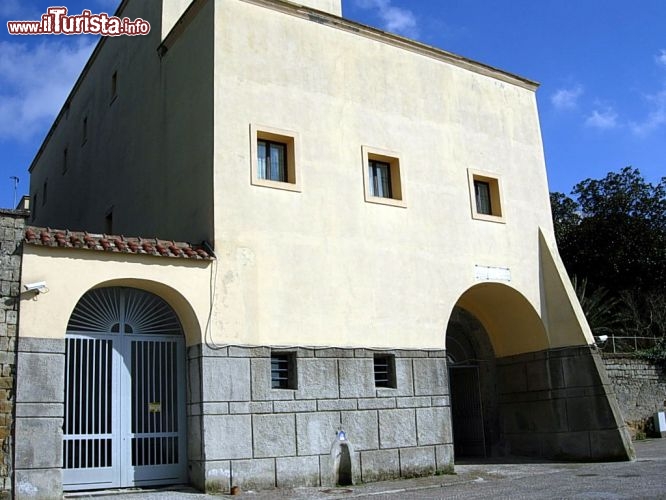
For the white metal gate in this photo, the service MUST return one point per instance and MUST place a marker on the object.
(124, 395)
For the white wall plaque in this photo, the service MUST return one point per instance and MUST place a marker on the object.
(488, 273)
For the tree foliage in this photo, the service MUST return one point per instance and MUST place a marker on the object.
(599, 306)
(614, 232)
(611, 233)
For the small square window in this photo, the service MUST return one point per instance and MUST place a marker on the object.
(33, 206)
(283, 370)
(482, 197)
(108, 222)
(382, 177)
(274, 158)
(114, 86)
(485, 196)
(84, 131)
(379, 173)
(65, 166)
(385, 371)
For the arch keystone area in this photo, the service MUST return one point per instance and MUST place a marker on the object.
(180, 305)
(512, 324)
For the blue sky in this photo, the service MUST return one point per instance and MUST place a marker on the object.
(601, 65)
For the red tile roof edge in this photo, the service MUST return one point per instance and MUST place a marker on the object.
(64, 238)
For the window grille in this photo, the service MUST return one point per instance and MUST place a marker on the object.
(283, 368)
(385, 371)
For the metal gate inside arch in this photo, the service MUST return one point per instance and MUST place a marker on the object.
(124, 398)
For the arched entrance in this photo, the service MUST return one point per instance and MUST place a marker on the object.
(471, 364)
(490, 323)
(535, 399)
(124, 419)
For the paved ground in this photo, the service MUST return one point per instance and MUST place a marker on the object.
(644, 478)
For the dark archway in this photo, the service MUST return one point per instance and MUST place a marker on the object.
(536, 399)
(471, 362)
(491, 322)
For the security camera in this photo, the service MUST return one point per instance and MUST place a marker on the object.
(602, 338)
(38, 286)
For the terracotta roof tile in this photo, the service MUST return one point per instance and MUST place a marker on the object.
(45, 236)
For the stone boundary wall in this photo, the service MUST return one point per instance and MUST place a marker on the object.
(640, 387)
(244, 433)
(11, 235)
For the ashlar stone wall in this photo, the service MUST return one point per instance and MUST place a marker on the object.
(560, 404)
(11, 235)
(244, 433)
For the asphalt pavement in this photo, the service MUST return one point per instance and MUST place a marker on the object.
(644, 478)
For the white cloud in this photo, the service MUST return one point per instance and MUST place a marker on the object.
(35, 80)
(602, 119)
(655, 119)
(567, 98)
(656, 116)
(661, 58)
(394, 19)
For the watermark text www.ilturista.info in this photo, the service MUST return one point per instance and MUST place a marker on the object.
(56, 22)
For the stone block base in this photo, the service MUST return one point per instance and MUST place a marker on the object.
(257, 437)
(559, 404)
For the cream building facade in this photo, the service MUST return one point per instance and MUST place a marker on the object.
(377, 292)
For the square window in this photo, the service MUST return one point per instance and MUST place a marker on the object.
(108, 222)
(65, 166)
(114, 86)
(33, 206)
(379, 173)
(283, 370)
(485, 196)
(382, 177)
(482, 197)
(274, 158)
(84, 131)
(385, 371)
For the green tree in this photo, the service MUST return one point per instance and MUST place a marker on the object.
(565, 218)
(614, 232)
(600, 307)
(611, 233)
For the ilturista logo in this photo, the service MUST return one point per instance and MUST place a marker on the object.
(56, 21)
